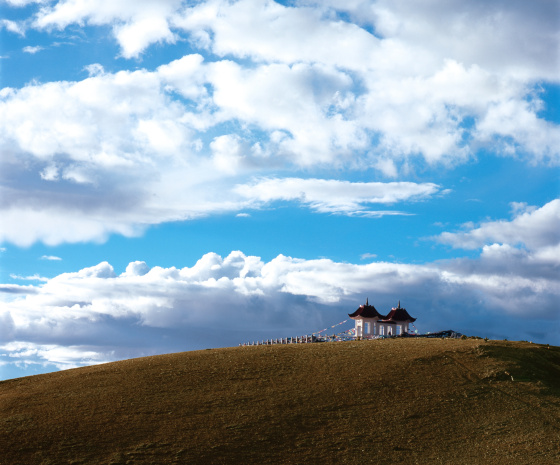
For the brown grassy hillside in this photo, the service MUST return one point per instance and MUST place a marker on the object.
(385, 401)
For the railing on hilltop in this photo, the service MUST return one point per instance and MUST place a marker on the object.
(317, 336)
(284, 340)
(348, 335)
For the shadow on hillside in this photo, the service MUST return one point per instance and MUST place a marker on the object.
(540, 365)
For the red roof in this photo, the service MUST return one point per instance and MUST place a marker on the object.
(399, 314)
(366, 311)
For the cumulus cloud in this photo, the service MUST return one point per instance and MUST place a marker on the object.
(135, 25)
(518, 263)
(351, 85)
(372, 91)
(269, 32)
(97, 159)
(422, 81)
(115, 153)
(412, 86)
(481, 33)
(95, 315)
(533, 228)
(269, 89)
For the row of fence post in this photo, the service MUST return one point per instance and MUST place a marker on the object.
(285, 340)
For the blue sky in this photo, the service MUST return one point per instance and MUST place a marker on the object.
(183, 175)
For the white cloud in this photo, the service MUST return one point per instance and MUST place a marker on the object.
(14, 289)
(95, 315)
(94, 69)
(142, 147)
(136, 36)
(25, 354)
(534, 228)
(506, 38)
(136, 268)
(312, 127)
(35, 277)
(51, 257)
(332, 196)
(269, 32)
(240, 292)
(368, 255)
(25, 225)
(21, 3)
(227, 153)
(533, 134)
(135, 25)
(119, 154)
(419, 90)
(33, 50)
(426, 72)
(12, 26)
(117, 139)
(518, 264)
(50, 173)
(518, 39)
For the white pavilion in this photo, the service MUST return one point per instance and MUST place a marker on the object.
(369, 322)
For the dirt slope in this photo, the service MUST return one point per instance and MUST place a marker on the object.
(385, 401)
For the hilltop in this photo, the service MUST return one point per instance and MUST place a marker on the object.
(383, 401)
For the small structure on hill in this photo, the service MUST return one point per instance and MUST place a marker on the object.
(369, 322)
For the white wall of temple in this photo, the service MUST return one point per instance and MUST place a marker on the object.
(404, 327)
(365, 327)
(387, 329)
(393, 329)
(370, 327)
(358, 328)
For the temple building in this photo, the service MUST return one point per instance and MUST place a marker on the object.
(369, 322)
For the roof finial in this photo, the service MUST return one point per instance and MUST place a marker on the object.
(399, 304)
(367, 301)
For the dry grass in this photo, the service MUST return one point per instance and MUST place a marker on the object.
(385, 401)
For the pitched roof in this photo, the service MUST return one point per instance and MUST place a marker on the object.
(366, 311)
(399, 314)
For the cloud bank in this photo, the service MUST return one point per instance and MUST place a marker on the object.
(93, 315)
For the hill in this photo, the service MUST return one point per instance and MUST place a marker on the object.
(384, 401)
